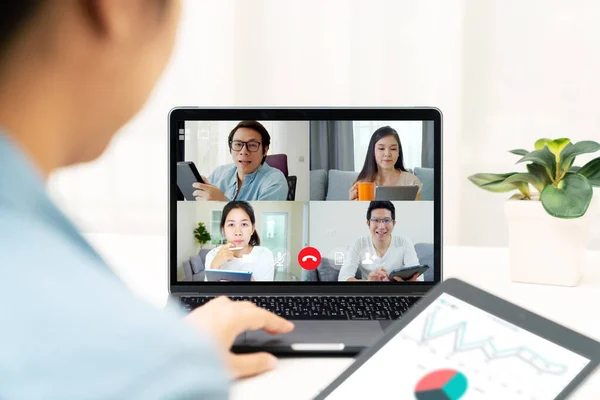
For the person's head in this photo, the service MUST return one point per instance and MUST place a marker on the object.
(384, 152)
(248, 143)
(238, 224)
(381, 219)
(82, 67)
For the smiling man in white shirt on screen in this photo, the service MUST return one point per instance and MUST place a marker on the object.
(376, 255)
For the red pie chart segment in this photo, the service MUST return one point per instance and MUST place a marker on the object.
(443, 384)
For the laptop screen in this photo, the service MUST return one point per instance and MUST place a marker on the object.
(295, 200)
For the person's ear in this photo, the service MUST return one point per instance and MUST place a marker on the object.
(394, 225)
(109, 17)
(118, 19)
(266, 150)
(368, 224)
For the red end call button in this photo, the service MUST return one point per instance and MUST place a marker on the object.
(309, 258)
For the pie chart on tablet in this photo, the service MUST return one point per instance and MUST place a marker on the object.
(442, 384)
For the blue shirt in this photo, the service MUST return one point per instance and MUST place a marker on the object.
(266, 183)
(69, 328)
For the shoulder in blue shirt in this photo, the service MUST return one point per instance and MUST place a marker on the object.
(70, 328)
(266, 183)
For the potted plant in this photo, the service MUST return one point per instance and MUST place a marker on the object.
(201, 234)
(549, 218)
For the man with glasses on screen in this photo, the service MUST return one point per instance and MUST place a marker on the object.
(249, 177)
(378, 254)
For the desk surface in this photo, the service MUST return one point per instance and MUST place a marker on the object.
(303, 378)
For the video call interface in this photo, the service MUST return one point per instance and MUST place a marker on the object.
(305, 201)
(463, 352)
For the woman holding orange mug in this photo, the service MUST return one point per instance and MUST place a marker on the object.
(384, 166)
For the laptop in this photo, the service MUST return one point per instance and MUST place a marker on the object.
(310, 249)
(396, 192)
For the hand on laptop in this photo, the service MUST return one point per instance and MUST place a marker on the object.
(225, 319)
(206, 191)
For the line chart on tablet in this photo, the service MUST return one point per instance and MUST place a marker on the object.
(498, 357)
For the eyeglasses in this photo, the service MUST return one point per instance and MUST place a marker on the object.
(238, 145)
(385, 221)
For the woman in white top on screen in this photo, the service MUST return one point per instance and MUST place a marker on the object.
(379, 254)
(242, 252)
(384, 163)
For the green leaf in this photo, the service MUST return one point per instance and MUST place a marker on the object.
(485, 178)
(535, 181)
(540, 172)
(499, 187)
(542, 157)
(493, 182)
(519, 152)
(540, 143)
(573, 150)
(565, 166)
(570, 199)
(591, 171)
(556, 147)
(574, 169)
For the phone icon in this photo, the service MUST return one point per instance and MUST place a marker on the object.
(309, 258)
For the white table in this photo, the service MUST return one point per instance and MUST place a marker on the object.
(141, 262)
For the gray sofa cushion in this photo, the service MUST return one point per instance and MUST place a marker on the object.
(327, 270)
(425, 175)
(340, 183)
(197, 264)
(199, 277)
(425, 254)
(318, 184)
(187, 270)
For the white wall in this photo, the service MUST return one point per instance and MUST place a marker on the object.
(531, 71)
(356, 52)
(292, 138)
(504, 73)
(334, 225)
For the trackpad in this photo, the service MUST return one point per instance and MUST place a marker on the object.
(320, 335)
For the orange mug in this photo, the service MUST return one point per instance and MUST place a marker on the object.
(366, 191)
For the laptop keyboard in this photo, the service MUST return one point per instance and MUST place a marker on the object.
(322, 307)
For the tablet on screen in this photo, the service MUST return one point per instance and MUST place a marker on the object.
(220, 275)
(466, 348)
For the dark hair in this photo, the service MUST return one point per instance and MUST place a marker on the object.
(14, 15)
(377, 204)
(369, 169)
(244, 205)
(258, 127)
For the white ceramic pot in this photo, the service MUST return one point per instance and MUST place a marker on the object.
(544, 249)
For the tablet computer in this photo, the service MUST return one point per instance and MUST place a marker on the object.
(396, 192)
(219, 275)
(459, 342)
(408, 272)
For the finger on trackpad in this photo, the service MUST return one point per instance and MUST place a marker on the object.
(349, 333)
